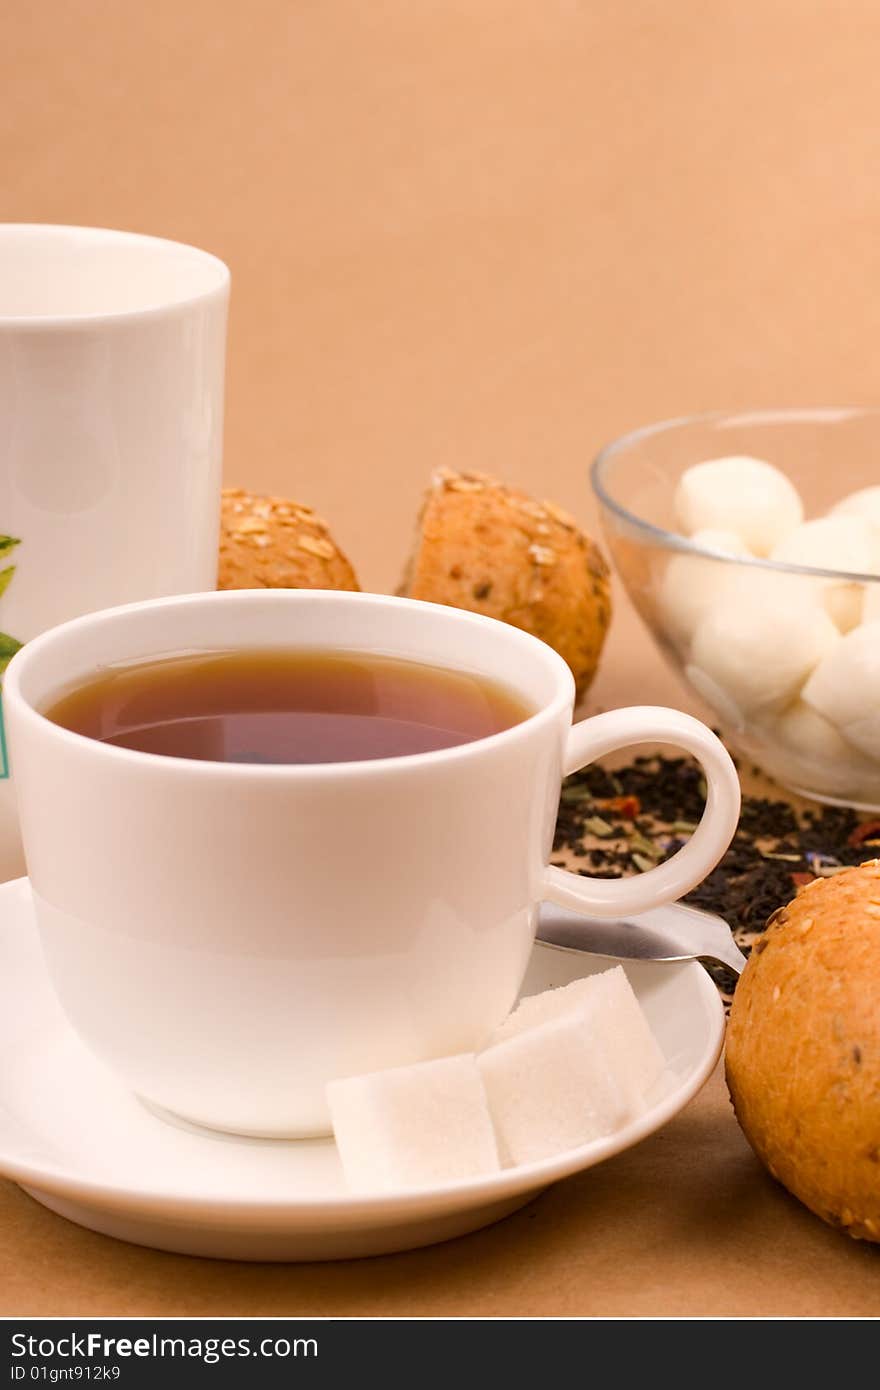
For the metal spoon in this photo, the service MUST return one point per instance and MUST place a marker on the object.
(674, 932)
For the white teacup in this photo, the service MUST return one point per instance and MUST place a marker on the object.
(229, 937)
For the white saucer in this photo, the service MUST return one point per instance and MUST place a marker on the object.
(78, 1142)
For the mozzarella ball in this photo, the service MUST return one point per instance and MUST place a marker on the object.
(803, 750)
(725, 542)
(729, 713)
(845, 685)
(871, 603)
(805, 731)
(865, 503)
(846, 543)
(843, 604)
(759, 652)
(692, 583)
(739, 494)
(864, 734)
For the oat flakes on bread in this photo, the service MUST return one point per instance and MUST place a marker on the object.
(803, 1049)
(491, 549)
(273, 543)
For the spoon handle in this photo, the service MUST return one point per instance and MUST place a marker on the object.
(668, 933)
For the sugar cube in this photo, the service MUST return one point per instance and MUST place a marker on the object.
(550, 1004)
(609, 999)
(554, 1087)
(413, 1126)
(740, 494)
(568, 1066)
(616, 1012)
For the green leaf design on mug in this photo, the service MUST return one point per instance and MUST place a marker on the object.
(8, 647)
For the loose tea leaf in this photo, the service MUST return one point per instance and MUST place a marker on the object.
(7, 542)
(774, 853)
(646, 847)
(595, 825)
(642, 862)
(627, 806)
(5, 577)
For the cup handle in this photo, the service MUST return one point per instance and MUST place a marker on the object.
(604, 733)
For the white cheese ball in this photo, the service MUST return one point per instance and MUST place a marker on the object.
(805, 731)
(871, 603)
(691, 583)
(846, 543)
(760, 653)
(729, 713)
(724, 542)
(740, 494)
(864, 503)
(845, 688)
(864, 734)
(802, 750)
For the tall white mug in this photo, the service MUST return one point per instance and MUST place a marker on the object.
(230, 937)
(112, 351)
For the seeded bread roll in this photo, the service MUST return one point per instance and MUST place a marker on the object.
(803, 1049)
(493, 550)
(272, 543)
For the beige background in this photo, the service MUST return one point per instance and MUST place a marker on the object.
(486, 232)
(494, 235)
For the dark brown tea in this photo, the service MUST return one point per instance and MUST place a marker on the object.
(286, 707)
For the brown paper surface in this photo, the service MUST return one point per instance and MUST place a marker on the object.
(490, 236)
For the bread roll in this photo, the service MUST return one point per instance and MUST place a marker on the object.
(803, 1049)
(273, 543)
(490, 549)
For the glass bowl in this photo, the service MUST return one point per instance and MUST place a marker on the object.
(741, 630)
